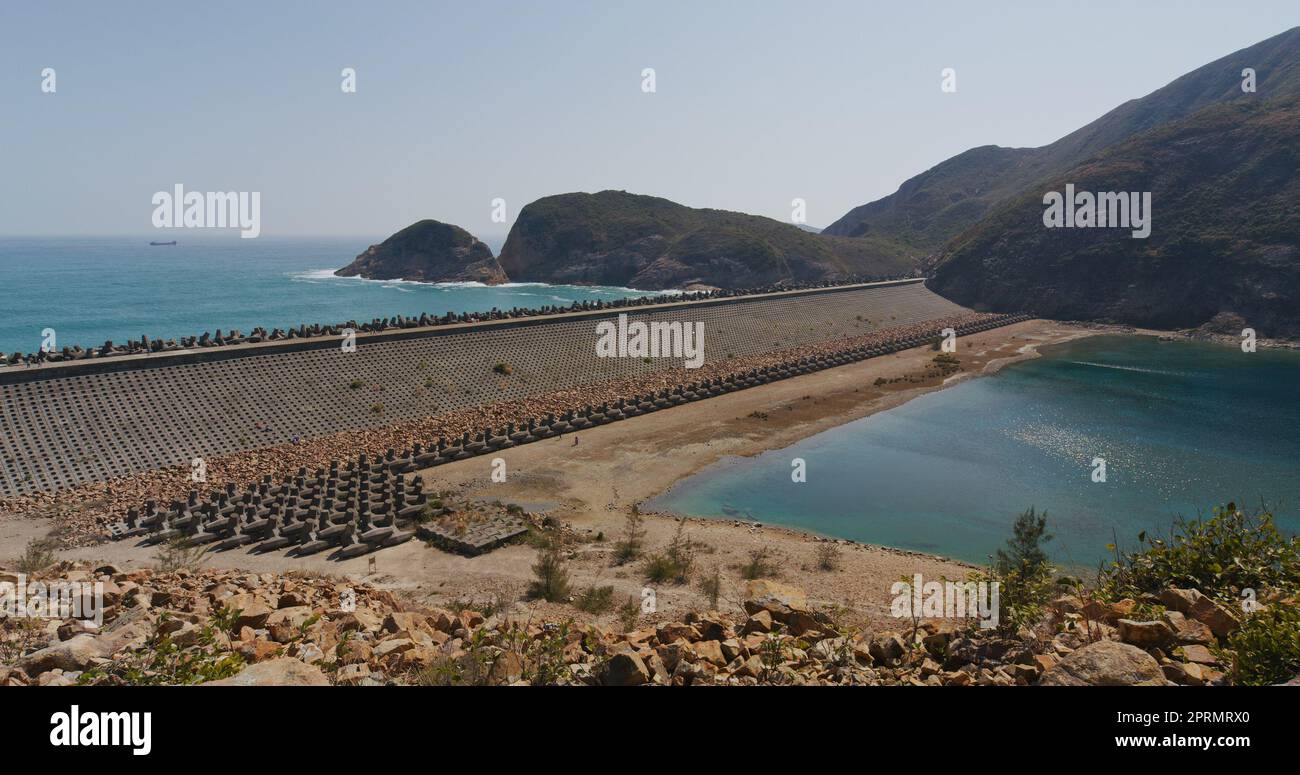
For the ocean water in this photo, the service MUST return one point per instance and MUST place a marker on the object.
(91, 289)
(1182, 427)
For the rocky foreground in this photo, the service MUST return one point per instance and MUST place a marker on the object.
(235, 628)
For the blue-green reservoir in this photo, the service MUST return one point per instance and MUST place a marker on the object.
(1182, 426)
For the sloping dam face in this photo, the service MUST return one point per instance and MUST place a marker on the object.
(69, 423)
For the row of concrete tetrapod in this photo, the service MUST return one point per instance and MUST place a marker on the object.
(490, 440)
(145, 345)
(365, 505)
(354, 511)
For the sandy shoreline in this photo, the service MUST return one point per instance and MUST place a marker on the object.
(593, 485)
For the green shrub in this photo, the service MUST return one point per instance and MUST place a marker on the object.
(595, 600)
(160, 662)
(1221, 556)
(179, 553)
(1266, 650)
(1022, 573)
(828, 556)
(1024, 552)
(711, 586)
(758, 566)
(628, 613)
(658, 568)
(629, 547)
(37, 556)
(552, 578)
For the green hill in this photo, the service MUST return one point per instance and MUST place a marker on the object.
(617, 238)
(944, 201)
(1225, 238)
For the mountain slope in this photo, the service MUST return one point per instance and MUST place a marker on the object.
(428, 251)
(617, 238)
(940, 203)
(1225, 238)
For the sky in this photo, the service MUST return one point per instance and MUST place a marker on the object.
(460, 103)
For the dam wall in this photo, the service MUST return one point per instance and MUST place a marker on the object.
(68, 423)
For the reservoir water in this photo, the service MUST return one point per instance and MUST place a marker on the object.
(1182, 426)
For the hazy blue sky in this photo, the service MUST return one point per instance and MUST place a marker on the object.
(461, 102)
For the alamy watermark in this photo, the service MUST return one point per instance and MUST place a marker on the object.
(658, 339)
(95, 728)
(1104, 209)
(921, 599)
(209, 210)
(83, 600)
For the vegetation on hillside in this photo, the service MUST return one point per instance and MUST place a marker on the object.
(1225, 232)
(617, 238)
(946, 200)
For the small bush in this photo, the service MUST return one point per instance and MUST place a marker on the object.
(1024, 552)
(629, 547)
(711, 586)
(828, 556)
(552, 577)
(681, 553)
(1267, 647)
(1022, 572)
(179, 554)
(628, 613)
(658, 568)
(357, 384)
(504, 369)
(758, 566)
(595, 600)
(38, 556)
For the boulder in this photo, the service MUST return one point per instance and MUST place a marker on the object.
(626, 669)
(710, 651)
(1109, 613)
(781, 601)
(1194, 605)
(127, 637)
(887, 648)
(285, 671)
(254, 615)
(1187, 630)
(1194, 652)
(1105, 663)
(506, 669)
(1155, 634)
(285, 624)
(70, 655)
(761, 621)
(672, 631)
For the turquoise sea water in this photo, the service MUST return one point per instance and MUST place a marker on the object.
(89, 289)
(1182, 427)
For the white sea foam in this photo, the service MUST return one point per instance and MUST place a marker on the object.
(315, 275)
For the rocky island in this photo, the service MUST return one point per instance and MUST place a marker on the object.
(631, 240)
(428, 251)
